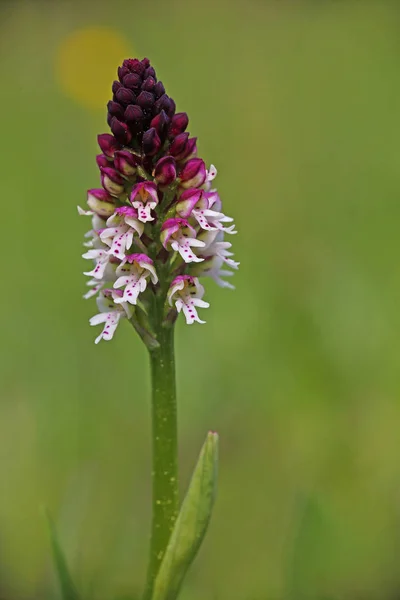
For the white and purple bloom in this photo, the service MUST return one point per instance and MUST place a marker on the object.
(217, 257)
(181, 237)
(134, 271)
(120, 230)
(144, 198)
(186, 293)
(196, 203)
(157, 222)
(110, 313)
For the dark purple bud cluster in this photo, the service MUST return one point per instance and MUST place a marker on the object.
(149, 139)
(140, 114)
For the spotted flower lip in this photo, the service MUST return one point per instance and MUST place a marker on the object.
(186, 292)
(181, 236)
(133, 273)
(144, 198)
(120, 230)
(110, 313)
(196, 203)
(158, 223)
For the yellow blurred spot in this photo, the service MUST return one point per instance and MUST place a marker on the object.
(87, 62)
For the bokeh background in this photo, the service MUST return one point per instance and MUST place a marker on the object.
(297, 103)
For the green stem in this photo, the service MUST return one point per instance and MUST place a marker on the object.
(164, 426)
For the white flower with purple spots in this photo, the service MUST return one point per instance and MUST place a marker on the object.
(144, 198)
(134, 271)
(108, 277)
(101, 258)
(120, 230)
(186, 293)
(181, 237)
(196, 203)
(110, 313)
(216, 255)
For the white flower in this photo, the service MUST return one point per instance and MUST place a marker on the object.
(120, 230)
(180, 236)
(110, 313)
(186, 292)
(216, 254)
(197, 204)
(144, 198)
(134, 271)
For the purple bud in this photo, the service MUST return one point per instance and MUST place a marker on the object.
(150, 72)
(165, 170)
(151, 142)
(148, 84)
(125, 96)
(159, 89)
(170, 108)
(165, 103)
(132, 81)
(115, 86)
(125, 162)
(122, 71)
(100, 202)
(145, 100)
(120, 131)
(193, 173)
(133, 113)
(178, 146)
(112, 181)
(134, 65)
(102, 161)
(108, 144)
(115, 109)
(161, 123)
(191, 149)
(179, 123)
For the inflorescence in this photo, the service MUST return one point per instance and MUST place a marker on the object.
(157, 224)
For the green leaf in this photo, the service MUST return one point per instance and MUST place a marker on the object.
(67, 586)
(191, 524)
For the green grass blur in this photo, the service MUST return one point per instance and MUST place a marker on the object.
(296, 103)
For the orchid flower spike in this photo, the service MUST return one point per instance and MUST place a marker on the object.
(157, 219)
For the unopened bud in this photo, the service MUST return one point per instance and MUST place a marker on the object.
(161, 123)
(151, 142)
(179, 123)
(108, 144)
(120, 131)
(165, 171)
(102, 161)
(112, 181)
(125, 162)
(101, 203)
(193, 173)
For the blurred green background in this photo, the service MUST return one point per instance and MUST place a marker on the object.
(297, 104)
